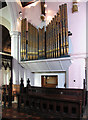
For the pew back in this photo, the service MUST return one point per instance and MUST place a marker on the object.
(59, 102)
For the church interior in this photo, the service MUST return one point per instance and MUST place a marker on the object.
(43, 60)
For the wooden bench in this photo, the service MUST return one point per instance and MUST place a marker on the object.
(52, 101)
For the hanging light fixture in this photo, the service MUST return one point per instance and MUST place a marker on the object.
(20, 15)
(45, 5)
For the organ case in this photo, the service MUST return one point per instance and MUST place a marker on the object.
(52, 43)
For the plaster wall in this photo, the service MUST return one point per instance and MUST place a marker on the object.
(28, 74)
(33, 14)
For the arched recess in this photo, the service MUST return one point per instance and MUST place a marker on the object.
(6, 40)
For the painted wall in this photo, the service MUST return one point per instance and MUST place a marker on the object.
(31, 77)
(77, 73)
(61, 79)
(33, 14)
(77, 25)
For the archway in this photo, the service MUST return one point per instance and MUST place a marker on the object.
(6, 40)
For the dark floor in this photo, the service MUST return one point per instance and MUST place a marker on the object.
(13, 114)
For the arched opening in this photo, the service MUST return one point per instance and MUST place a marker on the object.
(6, 40)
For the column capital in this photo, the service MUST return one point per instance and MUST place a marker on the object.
(15, 33)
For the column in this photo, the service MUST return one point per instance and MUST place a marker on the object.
(15, 40)
(25, 77)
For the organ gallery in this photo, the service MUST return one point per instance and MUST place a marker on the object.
(49, 42)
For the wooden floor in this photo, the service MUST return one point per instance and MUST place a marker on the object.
(13, 114)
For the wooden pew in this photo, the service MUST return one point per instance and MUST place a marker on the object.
(58, 102)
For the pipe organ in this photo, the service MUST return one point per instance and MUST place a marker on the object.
(23, 38)
(40, 44)
(32, 52)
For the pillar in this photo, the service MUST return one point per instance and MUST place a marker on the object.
(25, 77)
(15, 52)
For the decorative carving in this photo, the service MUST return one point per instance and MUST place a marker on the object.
(6, 64)
(22, 84)
(28, 83)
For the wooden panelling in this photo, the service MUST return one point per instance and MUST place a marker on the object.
(63, 103)
(49, 81)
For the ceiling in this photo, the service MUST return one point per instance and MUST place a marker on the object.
(2, 4)
(24, 4)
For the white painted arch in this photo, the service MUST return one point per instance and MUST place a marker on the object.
(5, 23)
(14, 9)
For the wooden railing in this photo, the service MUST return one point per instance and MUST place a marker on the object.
(6, 96)
(63, 103)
